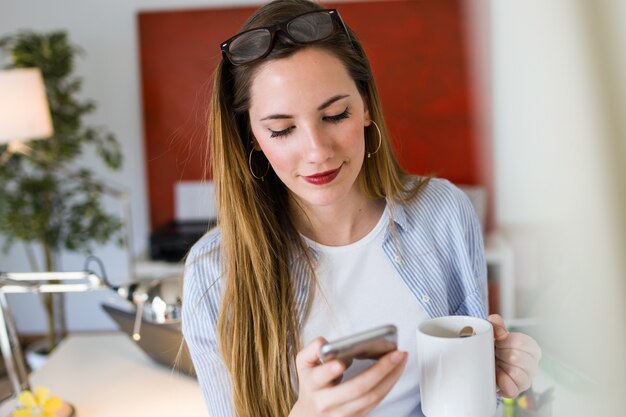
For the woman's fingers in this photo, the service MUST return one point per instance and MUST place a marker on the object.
(366, 387)
(517, 358)
(510, 379)
(522, 342)
(508, 387)
(499, 328)
(513, 340)
(317, 375)
(520, 359)
(517, 362)
(309, 356)
(326, 374)
(320, 394)
(365, 403)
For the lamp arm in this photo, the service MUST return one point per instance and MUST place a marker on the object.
(48, 282)
(11, 349)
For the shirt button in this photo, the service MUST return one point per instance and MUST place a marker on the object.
(425, 298)
(398, 259)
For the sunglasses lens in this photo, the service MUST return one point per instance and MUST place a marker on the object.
(249, 46)
(311, 27)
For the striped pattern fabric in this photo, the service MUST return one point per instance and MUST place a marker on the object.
(435, 243)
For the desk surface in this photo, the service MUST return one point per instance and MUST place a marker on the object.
(107, 375)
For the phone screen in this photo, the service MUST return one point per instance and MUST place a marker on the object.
(370, 344)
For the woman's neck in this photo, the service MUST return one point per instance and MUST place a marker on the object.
(338, 224)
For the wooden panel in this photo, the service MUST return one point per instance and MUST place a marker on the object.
(418, 57)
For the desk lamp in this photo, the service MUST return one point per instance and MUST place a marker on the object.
(25, 115)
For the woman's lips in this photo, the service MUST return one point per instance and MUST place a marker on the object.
(323, 177)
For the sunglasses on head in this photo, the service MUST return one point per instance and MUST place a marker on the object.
(255, 44)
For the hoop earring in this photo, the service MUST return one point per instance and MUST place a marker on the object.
(262, 177)
(380, 140)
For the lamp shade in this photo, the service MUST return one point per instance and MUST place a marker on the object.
(24, 111)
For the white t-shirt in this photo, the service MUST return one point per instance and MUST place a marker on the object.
(359, 288)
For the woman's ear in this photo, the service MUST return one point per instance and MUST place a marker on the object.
(254, 143)
(366, 111)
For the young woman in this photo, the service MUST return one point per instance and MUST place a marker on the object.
(321, 234)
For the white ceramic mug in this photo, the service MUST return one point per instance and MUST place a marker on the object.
(457, 374)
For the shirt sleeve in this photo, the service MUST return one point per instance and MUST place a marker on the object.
(475, 303)
(200, 309)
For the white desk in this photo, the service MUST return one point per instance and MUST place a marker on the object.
(106, 375)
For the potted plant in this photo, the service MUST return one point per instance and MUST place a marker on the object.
(45, 198)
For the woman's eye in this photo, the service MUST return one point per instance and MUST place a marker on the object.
(338, 117)
(281, 133)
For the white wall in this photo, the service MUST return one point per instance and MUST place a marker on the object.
(559, 98)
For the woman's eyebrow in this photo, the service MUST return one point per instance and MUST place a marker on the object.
(331, 101)
(277, 116)
(321, 107)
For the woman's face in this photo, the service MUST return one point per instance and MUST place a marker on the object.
(308, 118)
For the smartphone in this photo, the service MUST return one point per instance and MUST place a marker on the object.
(370, 344)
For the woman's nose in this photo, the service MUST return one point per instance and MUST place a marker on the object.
(318, 146)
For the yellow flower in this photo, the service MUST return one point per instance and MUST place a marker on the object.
(38, 405)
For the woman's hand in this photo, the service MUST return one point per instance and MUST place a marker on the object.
(517, 358)
(320, 396)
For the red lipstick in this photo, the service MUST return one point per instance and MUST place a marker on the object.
(322, 178)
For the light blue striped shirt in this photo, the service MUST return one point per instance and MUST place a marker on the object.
(438, 252)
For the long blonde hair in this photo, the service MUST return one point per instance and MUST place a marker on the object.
(258, 329)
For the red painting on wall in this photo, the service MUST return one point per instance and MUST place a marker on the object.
(418, 55)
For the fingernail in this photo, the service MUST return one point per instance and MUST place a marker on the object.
(337, 367)
(396, 357)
